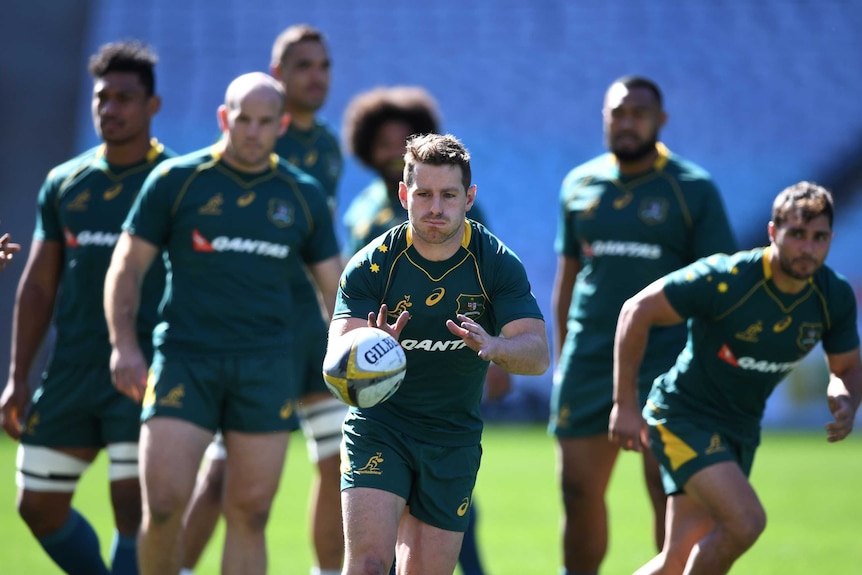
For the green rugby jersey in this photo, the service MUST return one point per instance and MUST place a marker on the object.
(438, 401)
(230, 240)
(745, 336)
(372, 213)
(315, 152)
(82, 204)
(628, 231)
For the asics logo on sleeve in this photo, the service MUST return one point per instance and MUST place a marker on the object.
(239, 245)
(90, 238)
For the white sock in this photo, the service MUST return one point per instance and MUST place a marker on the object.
(319, 571)
(186, 572)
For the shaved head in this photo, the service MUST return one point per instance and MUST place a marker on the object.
(257, 84)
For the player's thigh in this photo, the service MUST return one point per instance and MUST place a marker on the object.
(191, 389)
(432, 550)
(586, 463)
(725, 493)
(253, 468)
(171, 450)
(371, 517)
(259, 396)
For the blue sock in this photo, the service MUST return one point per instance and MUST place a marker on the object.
(75, 547)
(124, 555)
(468, 558)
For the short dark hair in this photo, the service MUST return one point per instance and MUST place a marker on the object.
(633, 81)
(292, 36)
(127, 56)
(368, 111)
(436, 150)
(807, 199)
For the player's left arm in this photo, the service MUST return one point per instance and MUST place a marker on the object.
(521, 348)
(844, 392)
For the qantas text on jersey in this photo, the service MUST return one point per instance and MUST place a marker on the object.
(239, 245)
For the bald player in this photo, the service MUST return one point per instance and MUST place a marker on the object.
(232, 220)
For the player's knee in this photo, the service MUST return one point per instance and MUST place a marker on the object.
(321, 424)
(164, 503)
(252, 513)
(747, 529)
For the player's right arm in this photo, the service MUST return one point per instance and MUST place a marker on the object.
(561, 298)
(844, 392)
(129, 264)
(34, 305)
(639, 313)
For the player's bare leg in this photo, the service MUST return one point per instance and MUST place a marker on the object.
(657, 497)
(585, 469)
(687, 523)
(738, 516)
(252, 474)
(321, 416)
(171, 450)
(371, 519)
(203, 512)
(425, 549)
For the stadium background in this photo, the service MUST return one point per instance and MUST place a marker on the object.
(762, 94)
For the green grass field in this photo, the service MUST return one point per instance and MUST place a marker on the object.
(809, 488)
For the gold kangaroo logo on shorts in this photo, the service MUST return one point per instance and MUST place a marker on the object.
(372, 467)
(435, 296)
(751, 332)
(32, 422)
(112, 192)
(782, 324)
(286, 410)
(462, 509)
(563, 415)
(715, 445)
(403, 305)
(174, 397)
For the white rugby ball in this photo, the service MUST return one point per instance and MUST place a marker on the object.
(364, 367)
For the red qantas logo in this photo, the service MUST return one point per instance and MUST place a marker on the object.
(200, 243)
(726, 355)
(71, 240)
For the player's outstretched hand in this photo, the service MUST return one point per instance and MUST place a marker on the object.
(474, 335)
(625, 427)
(13, 404)
(378, 320)
(7, 250)
(129, 373)
(843, 412)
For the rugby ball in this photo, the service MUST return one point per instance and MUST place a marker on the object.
(364, 367)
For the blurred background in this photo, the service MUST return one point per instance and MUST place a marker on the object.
(762, 94)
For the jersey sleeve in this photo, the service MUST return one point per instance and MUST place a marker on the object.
(322, 243)
(150, 215)
(842, 335)
(711, 231)
(48, 225)
(691, 290)
(566, 241)
(358, 291)
(512, 297)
